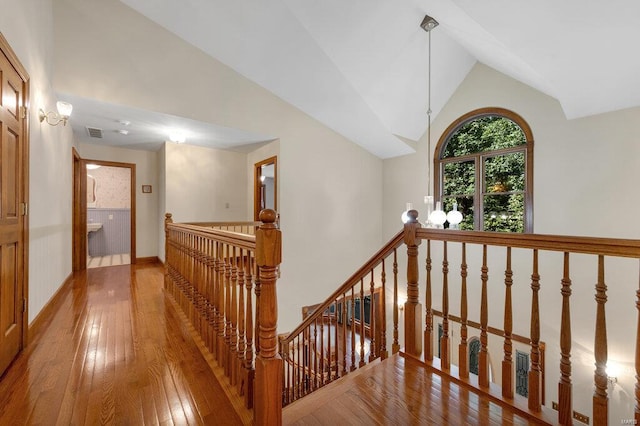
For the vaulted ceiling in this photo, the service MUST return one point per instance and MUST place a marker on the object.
(360, 66)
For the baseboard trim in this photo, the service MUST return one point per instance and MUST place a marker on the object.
(147, 260)
(44, 316)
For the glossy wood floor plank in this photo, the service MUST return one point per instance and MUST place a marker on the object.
(114, 352)
(397, 391)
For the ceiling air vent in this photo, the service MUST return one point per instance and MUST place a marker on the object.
(94, 132)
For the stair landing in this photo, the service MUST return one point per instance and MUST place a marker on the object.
(398, 390)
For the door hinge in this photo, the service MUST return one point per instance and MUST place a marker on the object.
(23, 112)
(24, 305)
(24, 209)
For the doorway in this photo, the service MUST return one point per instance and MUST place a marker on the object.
(104, 213)
(14, 167)
(265, 186)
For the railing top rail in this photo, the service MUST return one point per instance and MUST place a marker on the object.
(236, 223)
(244, 241)
(365, 269)
(585, 245)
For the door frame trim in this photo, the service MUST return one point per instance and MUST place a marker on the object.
(257, 194)
(24, 189)
(80, 208)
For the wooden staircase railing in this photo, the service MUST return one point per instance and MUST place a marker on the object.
(346, 331)
(338, 337)
(223, 277)
(224, 281)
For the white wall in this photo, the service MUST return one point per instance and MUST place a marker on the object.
(28, 27)
(329, 188)
(147, 217)
(204, 184)
(585, 177)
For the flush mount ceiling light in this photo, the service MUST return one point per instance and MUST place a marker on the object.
(177, 136)
(123, 132)
(53, 118)
(124, 122)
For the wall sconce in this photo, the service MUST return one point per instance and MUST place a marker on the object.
(612, 371)
(63, 114)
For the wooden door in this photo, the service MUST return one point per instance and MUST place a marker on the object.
(13, 88)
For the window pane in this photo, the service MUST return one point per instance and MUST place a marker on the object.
(504, 173)
(465, 206)
(459, 178)
(504, 212)
(484, 134)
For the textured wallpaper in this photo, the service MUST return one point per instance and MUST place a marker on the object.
(113, 187)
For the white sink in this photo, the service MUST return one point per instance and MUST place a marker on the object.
(93, 226)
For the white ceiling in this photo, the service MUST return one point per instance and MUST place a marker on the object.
(148, 130)
(360, 66)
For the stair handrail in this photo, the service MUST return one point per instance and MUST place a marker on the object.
(560, 243)
(395, 242)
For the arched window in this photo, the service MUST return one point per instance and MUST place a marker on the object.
(484, 163)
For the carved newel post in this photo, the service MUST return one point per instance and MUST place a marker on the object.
(268, 376)
(167, 220)
(412, 308)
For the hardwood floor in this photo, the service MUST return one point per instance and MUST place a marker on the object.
(397, 391)
(113, 353)
(111, 260)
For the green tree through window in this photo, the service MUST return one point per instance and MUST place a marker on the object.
(484, 163)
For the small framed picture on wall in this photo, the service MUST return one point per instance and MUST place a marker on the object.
(146, 189)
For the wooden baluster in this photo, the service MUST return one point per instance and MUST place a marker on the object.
(565, 409)
(300, 367)
(445, 361)
(308, 360)
(202, 288)
(483, 358)
(220, 303)
(412, 308)
(257, 316)
(210, 296)
(535, 372)
(285, 351)
(227, 310)
(362, 331)
(314, 345)
(233, 340)
(268, 376)
(296, 368)
(322, 359)
(384, 354)
(507, 363)
(329, 347)
(372, 321)
(463, 354)
(242, 346)
(248, 357)
(600, 398)
(637, 360)
(428, 326)
(343, 314)
(353, 330)
(395, 346)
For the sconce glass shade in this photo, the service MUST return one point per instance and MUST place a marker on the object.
(64, 109)
(55, 118)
